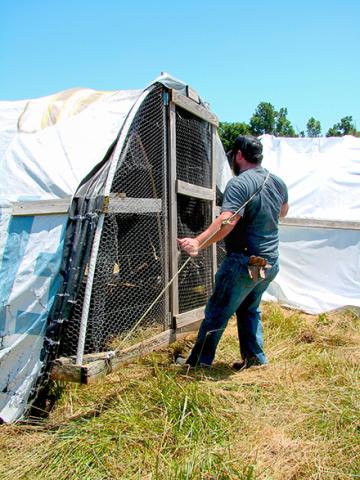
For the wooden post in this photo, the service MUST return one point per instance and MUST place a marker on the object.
(173, 250)
(213, 201)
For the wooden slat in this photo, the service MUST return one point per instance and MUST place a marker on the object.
(196, 191)
(192, 107)
(186, 318)
(213, 201)
(104, 363)
(41, 207)
(315, 223)
(134, 205)
(217, 211)
(173, 250)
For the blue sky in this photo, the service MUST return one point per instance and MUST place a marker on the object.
(300, 55)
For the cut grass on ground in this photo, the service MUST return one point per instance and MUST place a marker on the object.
(297, 418)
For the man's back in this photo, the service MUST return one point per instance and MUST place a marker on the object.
(256, 233)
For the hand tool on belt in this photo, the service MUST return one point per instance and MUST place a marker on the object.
(257, 267)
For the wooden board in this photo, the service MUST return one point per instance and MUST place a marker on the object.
(101, 364)
(173, 250)
(134, 205)
(188, 318)
(315, 223)
(41, 207)
(196, 191)
(192, 107)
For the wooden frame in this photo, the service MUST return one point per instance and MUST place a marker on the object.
(97, 365)
(195, 191)
(193, 107)
(173, 249)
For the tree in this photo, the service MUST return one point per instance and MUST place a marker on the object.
(283, 125)
(229, 131)
(267, 120)
(313, 127)
(346, 126)
(263, 120)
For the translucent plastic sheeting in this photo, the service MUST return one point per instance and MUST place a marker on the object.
(319, 267)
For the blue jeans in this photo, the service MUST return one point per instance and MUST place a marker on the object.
(234, 292)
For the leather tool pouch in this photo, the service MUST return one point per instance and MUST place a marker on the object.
(257, 267)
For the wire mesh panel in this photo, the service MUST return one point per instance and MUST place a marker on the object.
(195, 281)
(131, 267)
(193, 149)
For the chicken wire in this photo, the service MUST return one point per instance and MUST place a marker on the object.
(131, 266)
(196, 280)
(193, 149)
(132, 262)
(193, 165)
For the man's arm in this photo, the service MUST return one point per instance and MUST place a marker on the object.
(284, 210)
(216, 231)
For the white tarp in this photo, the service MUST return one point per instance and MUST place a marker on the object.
(319, 267)
(47, 146)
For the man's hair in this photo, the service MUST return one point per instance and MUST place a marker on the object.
(250, 147)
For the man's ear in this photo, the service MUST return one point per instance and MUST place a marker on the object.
(235, 166)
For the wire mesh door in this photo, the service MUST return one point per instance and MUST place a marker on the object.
(192, 200)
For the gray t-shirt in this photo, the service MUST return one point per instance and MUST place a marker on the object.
(256, 233)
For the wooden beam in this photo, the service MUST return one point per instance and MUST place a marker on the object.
(173, 230)
(196, 191)
(41, 207)
(101, 364)
(315, 223)
(194, 108)
(213, 201)
(119, 204)
(187, 318)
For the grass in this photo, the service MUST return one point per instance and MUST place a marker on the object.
(297, 418)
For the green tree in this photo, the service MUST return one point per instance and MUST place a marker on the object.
(346, 126)
(263, 120)
(283, 126)
(267, 120)
(313, 127)
(229, 131)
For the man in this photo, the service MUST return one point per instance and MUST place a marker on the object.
(251, 262)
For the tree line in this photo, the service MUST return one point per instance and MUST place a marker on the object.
(266, 119)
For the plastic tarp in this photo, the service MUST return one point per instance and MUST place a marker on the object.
(319, 267)
(47, 146)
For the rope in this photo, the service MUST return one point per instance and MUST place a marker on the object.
(223, 223)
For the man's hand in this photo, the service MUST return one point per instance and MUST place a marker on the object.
(189, 245)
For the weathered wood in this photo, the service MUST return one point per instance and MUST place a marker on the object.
(119, 204)
(192, 107)
(186, 318)
(41, 207)
(101, 364)
(191, 93)
(195, 191)
(213, 201)
(315, 223)
(64, 369)
(173, 250)
(217, 211)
